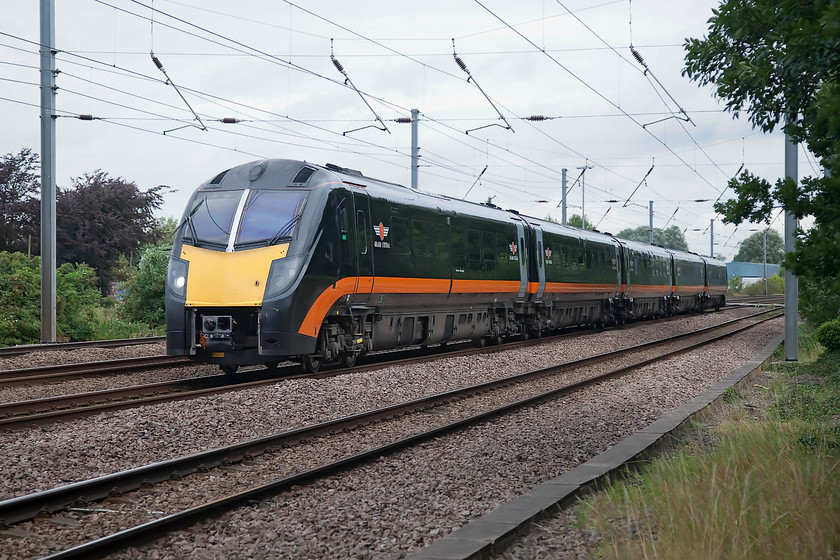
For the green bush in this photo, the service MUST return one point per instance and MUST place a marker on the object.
(828, 334)
(20, 299)
(143, 294)
(78, 303)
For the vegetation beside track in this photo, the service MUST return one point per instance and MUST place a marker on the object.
(762, 483)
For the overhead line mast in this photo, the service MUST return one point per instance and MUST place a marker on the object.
(48, 171)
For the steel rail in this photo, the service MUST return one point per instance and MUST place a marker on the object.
(62, 372)
(28, 348)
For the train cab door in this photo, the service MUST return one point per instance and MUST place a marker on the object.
(523, 259)
(540, 260)
(364, 243)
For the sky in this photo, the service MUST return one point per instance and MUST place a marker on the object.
(648, 135)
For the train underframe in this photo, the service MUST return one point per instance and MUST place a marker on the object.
(231, 336)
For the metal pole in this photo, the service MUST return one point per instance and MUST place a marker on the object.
(650, 226)
(563, 213)
(764, 243)
(415, 155)
(48, 173)
(583, 194)
(712, 238)
(791, 281)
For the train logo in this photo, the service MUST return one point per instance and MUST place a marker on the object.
(381, 231)
(512, 248)
(548, 256)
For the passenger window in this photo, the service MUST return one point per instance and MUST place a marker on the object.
(441, 240)
(400, 236)
(473, 245)
(502, 246)
(488, 247)
(421, 239)
(458, 246)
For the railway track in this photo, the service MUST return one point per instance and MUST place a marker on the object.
(117, 343)
(42, 412)
(65, 372)
(25, 507)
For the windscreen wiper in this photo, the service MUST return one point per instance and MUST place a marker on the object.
(283, 231)
(188, 220)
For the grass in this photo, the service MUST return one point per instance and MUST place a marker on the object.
(767, 488)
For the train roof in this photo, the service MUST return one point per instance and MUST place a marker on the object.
(285, 173)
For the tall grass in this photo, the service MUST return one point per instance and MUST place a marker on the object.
(768, 489)
(762, 493)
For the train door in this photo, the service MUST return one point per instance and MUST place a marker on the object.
(523, 259)
(540, 258)
(364, 248)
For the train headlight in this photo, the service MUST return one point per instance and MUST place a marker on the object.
(282, 275)
(176, 277)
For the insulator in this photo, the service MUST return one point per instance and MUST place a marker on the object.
(157, 62)
(229, 120)
(461, 64)
(403, 120)
(638, 57)
(536, 118)
(85, 117)
(338, 65)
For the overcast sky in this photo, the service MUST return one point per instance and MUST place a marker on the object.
(267, 63)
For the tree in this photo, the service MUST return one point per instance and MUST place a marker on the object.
(101, 217)
(751, 249)
(576, 221)
(19, 185)
(778, 60)
(670, 238)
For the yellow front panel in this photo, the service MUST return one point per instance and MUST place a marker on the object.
(229, 279)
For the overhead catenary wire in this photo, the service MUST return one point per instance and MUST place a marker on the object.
(442, 131)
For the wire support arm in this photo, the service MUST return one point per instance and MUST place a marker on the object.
(470, 78)
(169, 81)
(348, 81)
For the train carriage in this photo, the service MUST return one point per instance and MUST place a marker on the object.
(689, 281)
(575, 275)
(646, 281)
(716, 283)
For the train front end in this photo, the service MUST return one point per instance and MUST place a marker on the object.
(240, 250)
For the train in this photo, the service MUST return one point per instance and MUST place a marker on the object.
(281, 259)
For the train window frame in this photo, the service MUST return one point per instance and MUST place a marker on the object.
(400, 236)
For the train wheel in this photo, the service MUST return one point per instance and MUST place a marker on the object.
(495, 339)
(480, 342)
(310, 363)
(348, 359)
(272, 366)
(229, 370)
